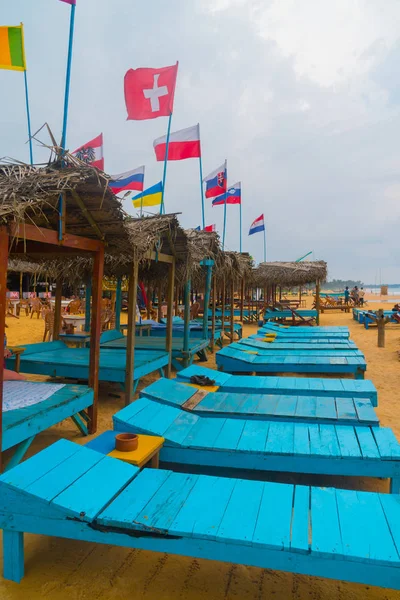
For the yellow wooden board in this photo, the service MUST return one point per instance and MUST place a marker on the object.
(206, 388)
(148, 446)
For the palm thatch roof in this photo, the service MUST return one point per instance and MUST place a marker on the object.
(290, 273)
(30, 195)
(234, 266)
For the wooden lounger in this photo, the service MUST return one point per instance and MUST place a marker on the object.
(270, 407)
(299, 349)
(210, 443)
(302, 343)
(300, 386)
(70, 491)
(57, 360)
(232, 360)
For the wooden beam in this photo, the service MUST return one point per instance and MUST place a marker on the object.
(159, 295)
(95, 333)
(232, 311)
(4, 240)
(170, 301)
(186, 322)
(242, 294)
(88, 297)
(131, 336)
(57, 311)
(214, 299)
(159, 257)
(223, 308)
(87, 215)
(207, 290)
(317, 300)
(118, 304)
(48, 236)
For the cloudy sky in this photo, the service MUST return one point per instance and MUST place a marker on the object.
(301, 98)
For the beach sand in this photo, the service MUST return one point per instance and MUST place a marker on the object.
(60, 569)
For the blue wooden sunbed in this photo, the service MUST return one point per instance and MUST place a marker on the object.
(311, 332)
(250, 344)
(21, 425)
(299, 386)
(209, 443)
(322, 343)
(231, 360)
(57, 360)
(282, 315)
(275, 407)
(70, 491)
(113, 339)
(370, 318)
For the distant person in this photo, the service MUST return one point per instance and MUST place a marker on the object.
(361, 295)
(354, 295)
(346, 295)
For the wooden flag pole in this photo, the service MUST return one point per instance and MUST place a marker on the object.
(162, 206)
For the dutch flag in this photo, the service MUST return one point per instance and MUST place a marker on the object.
(257, 225)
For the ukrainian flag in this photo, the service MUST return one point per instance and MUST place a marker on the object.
(150, 197)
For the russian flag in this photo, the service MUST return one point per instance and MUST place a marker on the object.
(131, 180)
(257, 225)
(216, 182)
(182, 144)
(233, 195)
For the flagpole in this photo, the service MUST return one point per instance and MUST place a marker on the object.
(240, 223)
(202, 192)
(162, 207)
(66, 102)
(265, 245)
(28, 112)
(226, 191)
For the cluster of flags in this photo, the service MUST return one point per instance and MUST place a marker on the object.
(149, 94)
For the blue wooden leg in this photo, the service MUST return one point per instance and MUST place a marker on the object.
(80, 424)
(161, 371)
(19, 453)
(359, 374)
(13, 555)
(395, 485)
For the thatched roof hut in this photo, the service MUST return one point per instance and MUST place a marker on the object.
(234, 266)
(290, 274)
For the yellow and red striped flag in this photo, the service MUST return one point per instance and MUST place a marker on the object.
(12, 52)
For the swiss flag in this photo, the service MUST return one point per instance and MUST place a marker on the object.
(149, 93)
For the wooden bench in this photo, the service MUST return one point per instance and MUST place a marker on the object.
(250, 445)
(70, 491)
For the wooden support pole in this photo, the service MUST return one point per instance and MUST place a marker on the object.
(131, 336)
(88, 298)
(170, 302)
(380, 323)
(223, 307)
(95, 332)
(232, 311)
(21, 291)
(186, 319)
(242, 295)
(214, 299)
(3, 304)
(207, 292)
(317, 300)
(149, 293)
(176, 311)
(118, 304)
(159, 312)
(57, 311)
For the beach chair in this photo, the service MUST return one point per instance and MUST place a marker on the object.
(214, 444)
(36, 307)
(71, 491)
(74, 307)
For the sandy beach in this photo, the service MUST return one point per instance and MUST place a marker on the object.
(59, 569)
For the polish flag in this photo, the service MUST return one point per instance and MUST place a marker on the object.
(92, 153)
(149, 93)
(182, 144)
(210, 228)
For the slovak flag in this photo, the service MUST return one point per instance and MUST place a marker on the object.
(182, 144)
(216, 182)
(210, 228)
(149, 93)
(257, 225)
(69, 1)
(233, 196)
(131, 180)
(92, 153)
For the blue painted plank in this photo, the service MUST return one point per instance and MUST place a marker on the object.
(203, 433)
(326, 535)
(133, 499)
(274, 517)
(367, 443)
(301, 442)
(348, 442)
(346, 409)
(85, 498)
(239, 521)
(300, 519)
(306, 406)
(230, 434)
(180, 428)
(286, 406)
(215, 500)
(325, 408)
(280, 438)
(254, 437)
(388, 446)
(365, 411)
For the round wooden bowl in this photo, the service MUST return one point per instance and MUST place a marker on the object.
(126, 442)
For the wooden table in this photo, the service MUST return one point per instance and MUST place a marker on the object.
(17, 351)
(79, 339)
(139, 327)
(147, 452)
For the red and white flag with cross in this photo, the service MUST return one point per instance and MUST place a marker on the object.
(149, 93)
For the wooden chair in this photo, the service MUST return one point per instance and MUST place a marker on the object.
(194, 310)
(36, 307)
(105, 319)
(23, 305)
(74, 307)
(48, 317)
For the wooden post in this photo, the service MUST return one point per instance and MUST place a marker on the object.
(300, 296)
(57, 311)
(159, 313)
(130, 342)
(170, 301)
(3, 303)
(118, 304)
(207, 291)
(317, 299)
(149, 292)
(186, 318)
(95, 332)
(242, 294)
(213, 305)
(232, 310)
(223, 307)
(176, 300)
(88, 298)
(21, 275)
(380, 323)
